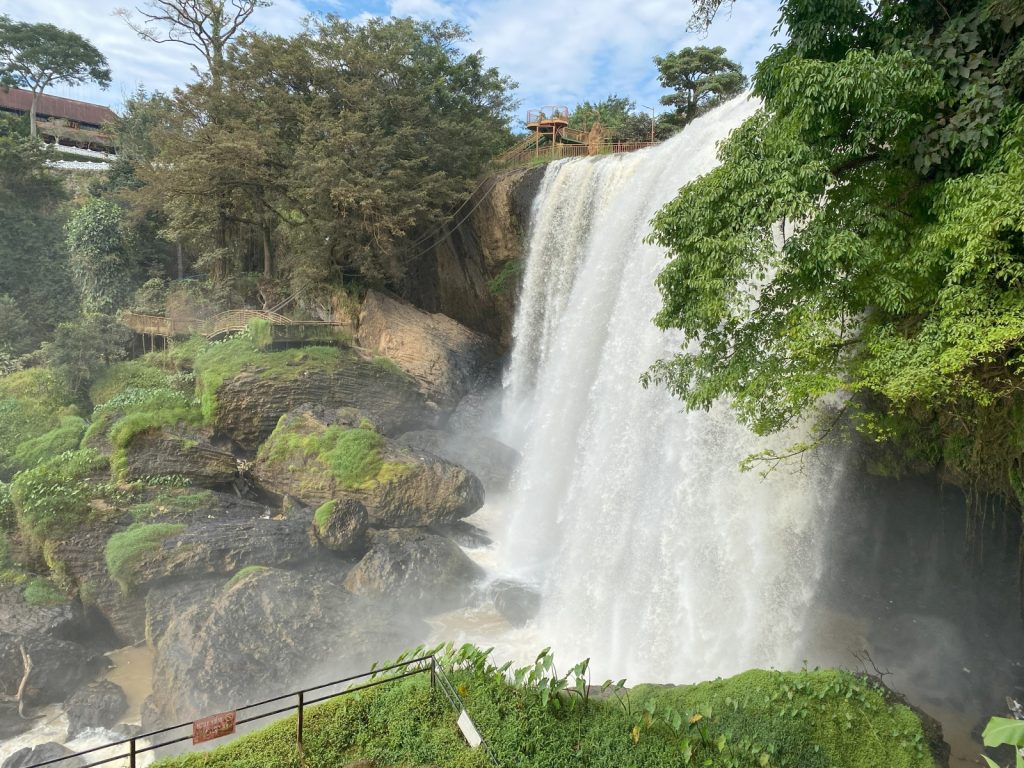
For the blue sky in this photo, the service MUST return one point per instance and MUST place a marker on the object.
(560, 52)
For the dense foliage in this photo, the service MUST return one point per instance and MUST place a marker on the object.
(324, 155)
(891, 148)
(533, 717)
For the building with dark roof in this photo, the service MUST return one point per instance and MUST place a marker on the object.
(64, 121)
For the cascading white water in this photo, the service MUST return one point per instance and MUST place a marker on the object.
(655, 556)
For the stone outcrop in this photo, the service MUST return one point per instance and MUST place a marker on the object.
(472, 273)
(58, 667)
(414, 569)
(96, 705)
(62, 622)
(515, 601)
(179, 451)
(269, 633)
(408, 487)
(341, 526)
(444, 357)
(493, 462)
(250, 403)
(51, 750)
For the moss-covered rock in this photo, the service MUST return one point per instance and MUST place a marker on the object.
(341, 525)
(244, 391)
(318, 455)
(177, 451)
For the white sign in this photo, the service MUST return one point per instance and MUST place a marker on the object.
(469, 730)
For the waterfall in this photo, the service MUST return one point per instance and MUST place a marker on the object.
(653, 553)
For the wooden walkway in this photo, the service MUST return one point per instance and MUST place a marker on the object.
(232, 321)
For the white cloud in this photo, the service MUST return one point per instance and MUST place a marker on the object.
(560, 51)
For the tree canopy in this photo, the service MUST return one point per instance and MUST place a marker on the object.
(890, 149)
(36, 56)
(701, 77)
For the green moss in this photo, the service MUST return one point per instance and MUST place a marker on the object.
(353, 456)
(242, 573)
(65, 437)
(41, 591)
(222, 360)
(53, 498)
(170, 502)
(32, 403)
(127, 550)
(322, 516)
(506, 278)
(806, 720)
(132, 374)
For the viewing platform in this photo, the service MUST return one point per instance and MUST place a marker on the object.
(282, 329)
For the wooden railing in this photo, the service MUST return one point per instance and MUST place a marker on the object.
(232, 321)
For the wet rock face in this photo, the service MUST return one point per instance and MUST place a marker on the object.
(250, 404)
(444, 357)
(97, 705)
(341, 526)
(269, 633)
(58, 667)
(410, 488)
(515, 601)
(493, 462)
(178, 451)
(416, 569)
(50, 751)
(62, 622)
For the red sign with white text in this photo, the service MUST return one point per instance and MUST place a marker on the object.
(213, 727)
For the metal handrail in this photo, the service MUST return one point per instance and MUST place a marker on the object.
(437, 679)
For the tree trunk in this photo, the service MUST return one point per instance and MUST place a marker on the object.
(268, 264)
(32, 113)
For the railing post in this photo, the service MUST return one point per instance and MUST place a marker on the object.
(298, 727)
(131, 753)
(433, 673)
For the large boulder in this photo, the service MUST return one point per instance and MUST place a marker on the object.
(341, 525)
(319, 455)
(268, 633)
(250, 402)
(51, 750)
(515, 601)
(415, 569)
(65, 621)
(493, 462)
(96, 705)
(58, 667)
(446, 358)
(178, 451)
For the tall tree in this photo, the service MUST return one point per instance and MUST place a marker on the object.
(36, 56)
(890, 149)
(207, 26)
(701, 77)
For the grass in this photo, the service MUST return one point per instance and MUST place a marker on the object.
(127, 550)
(222, 360)
(243, 573)
(32, 403)
(66, 436)
(42, 592)
(53, 498)
(133, 374)
(170, 501)
(322, 516)
(353, 456)
(760, 719)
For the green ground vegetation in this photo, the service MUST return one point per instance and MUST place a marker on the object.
(53, 497)
(66, 436)
(169, 501)
(32, 403)
(127, 550)
(354, 456)
(760, 719)
(130, 374)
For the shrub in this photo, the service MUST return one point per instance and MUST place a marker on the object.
(260, 332)
(7, 517)
(53, 498)
(127, 550)
(65, 437)
(131, 374)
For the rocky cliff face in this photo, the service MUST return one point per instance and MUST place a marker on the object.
(472, 273)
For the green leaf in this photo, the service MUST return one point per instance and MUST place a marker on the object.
(1003, 730)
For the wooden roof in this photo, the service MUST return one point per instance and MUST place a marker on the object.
(19, 100)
